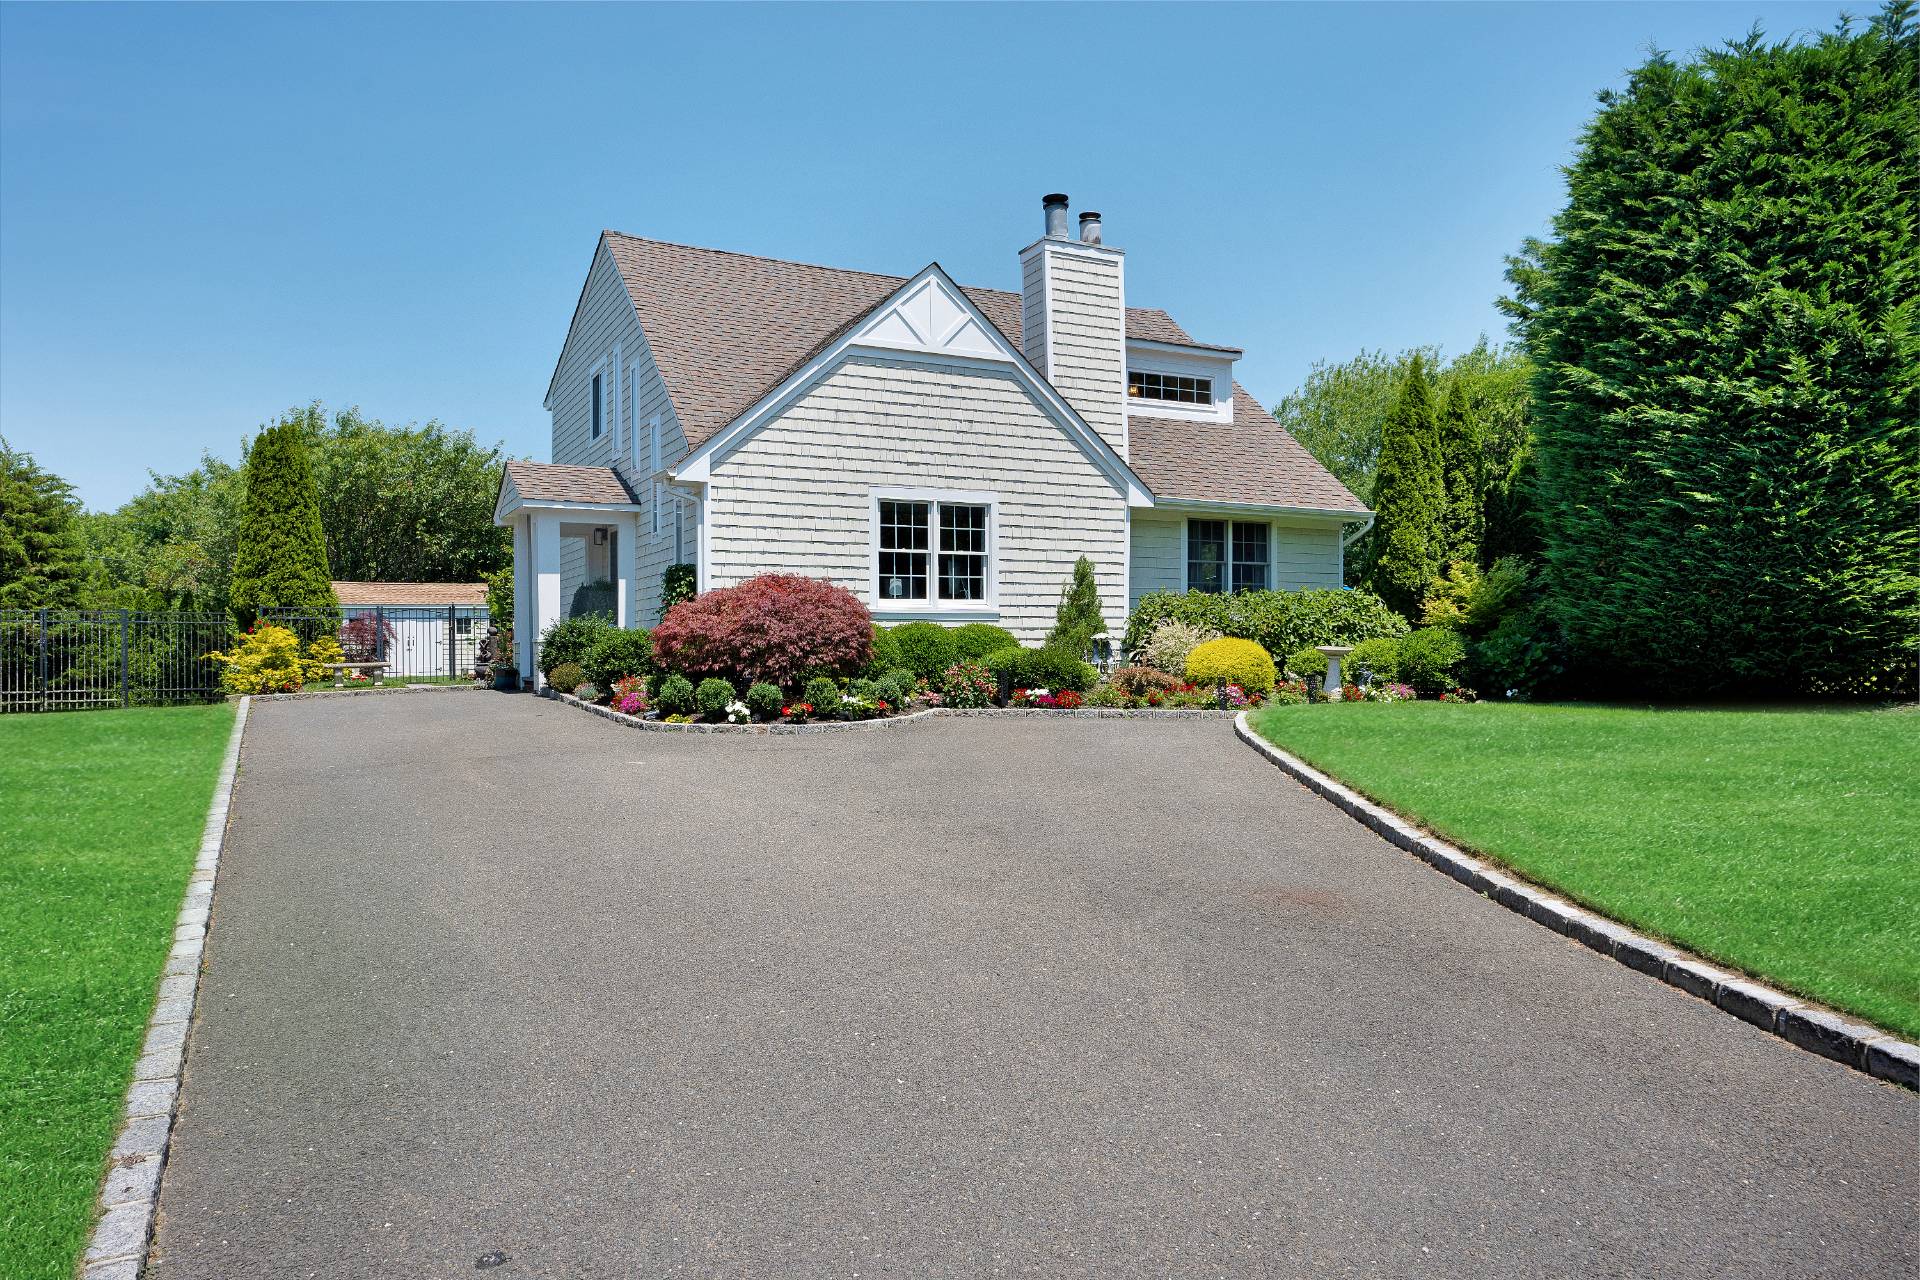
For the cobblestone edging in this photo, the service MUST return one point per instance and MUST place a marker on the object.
(830, 726)
(463, 687)
(131, 1188)
(661, 726)
(1845, 1040)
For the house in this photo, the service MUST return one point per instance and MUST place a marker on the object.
(945, 452)
(418, 628)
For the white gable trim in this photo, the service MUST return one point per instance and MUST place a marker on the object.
(927, 319)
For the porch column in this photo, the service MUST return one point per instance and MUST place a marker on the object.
(626, 559)
(546, 584)
(523, 598)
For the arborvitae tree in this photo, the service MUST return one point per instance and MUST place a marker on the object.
(1409, 498)
(280, 556)
(1726, 330)
(1460, 461)
(1078, 620)
(42, 561)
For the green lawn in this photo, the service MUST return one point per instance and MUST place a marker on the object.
(101, 814)
(1782, 842)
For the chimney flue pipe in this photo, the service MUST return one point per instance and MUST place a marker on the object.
(1056, 207)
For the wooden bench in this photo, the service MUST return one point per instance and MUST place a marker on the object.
(371, 670)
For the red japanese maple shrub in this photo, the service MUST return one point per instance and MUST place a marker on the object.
(778, 628)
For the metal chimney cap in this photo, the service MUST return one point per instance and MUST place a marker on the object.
(1058, 197)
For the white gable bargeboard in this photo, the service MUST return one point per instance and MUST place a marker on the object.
(797, 495)
(929, 317)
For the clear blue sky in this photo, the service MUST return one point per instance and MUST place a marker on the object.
(210, 213)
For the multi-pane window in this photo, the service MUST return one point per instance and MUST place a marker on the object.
(932, 551)
(1227, 555)
(963, 552)
(596, 396)
(903, 549)
(1249, 556)
(1143, 385)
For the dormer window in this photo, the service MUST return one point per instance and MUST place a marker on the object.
(1171, 387)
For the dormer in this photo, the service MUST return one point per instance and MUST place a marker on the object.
(1180, 380)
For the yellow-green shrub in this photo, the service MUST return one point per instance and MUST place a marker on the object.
(267, 660)
(1231, 661)
(323, 650)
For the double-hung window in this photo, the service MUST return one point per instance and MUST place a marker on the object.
(1227, 555)
(932, 551)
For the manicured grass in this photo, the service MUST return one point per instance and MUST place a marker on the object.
(1782, 842)
(101, 814)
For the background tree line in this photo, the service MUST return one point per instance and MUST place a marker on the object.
(1698, 470)
(409, 503)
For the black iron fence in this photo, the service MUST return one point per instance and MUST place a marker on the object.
(72, 660)
(69, 660)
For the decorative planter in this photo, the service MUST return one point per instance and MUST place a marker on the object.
(506, 677)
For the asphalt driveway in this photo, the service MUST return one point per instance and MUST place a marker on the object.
(987, 997)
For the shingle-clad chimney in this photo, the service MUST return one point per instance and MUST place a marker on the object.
(1073, 318)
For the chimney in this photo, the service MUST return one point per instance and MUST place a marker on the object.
(1056, 209)
(1073, 319)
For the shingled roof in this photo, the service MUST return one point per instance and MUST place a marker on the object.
(558, 482)
(726, 328)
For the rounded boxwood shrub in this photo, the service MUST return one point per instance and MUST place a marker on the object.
(777, 627)
(711, 696)
(925, 648)
(1378, 657)
(567, 677)
(568, 639)
(1229, 660)
(1043, 668)
(1309, 664)
(764, 701)
(975, 640)
(674, 697)
(1431, 659)
(823, 695)
(886, 653)
(618, 652)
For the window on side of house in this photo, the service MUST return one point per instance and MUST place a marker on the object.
(930, 551)
(1227, 555)
(1175, 388)
(594, 394)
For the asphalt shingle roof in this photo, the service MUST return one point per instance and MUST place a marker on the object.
(556, 482)
(726, 328)
(411, 593)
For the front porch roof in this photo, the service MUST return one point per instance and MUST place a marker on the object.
(560, 487)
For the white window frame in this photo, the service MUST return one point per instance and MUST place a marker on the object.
(599, 372)
(934, 609)
(1186, 549)
(617, 417)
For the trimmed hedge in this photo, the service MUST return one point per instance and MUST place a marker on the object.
(1431, 659)
(926, 649)
(569, 639)
(886, 653)
(973, 641)
(674, 697)
(1042, 668)
(711, 697)
(618, 652)
(1277, 621)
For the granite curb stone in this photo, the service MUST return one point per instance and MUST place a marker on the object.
(1809, 1026)
(130, 1189)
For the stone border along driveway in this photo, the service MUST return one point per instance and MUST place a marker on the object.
(1856, 1044)
(889, 722)
(118, 1250)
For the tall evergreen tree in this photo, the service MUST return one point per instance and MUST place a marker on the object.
(42, 559)
(1077, 620)
(1726, 333)
(1460, 463)
(1409, 497)
(280, 556)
